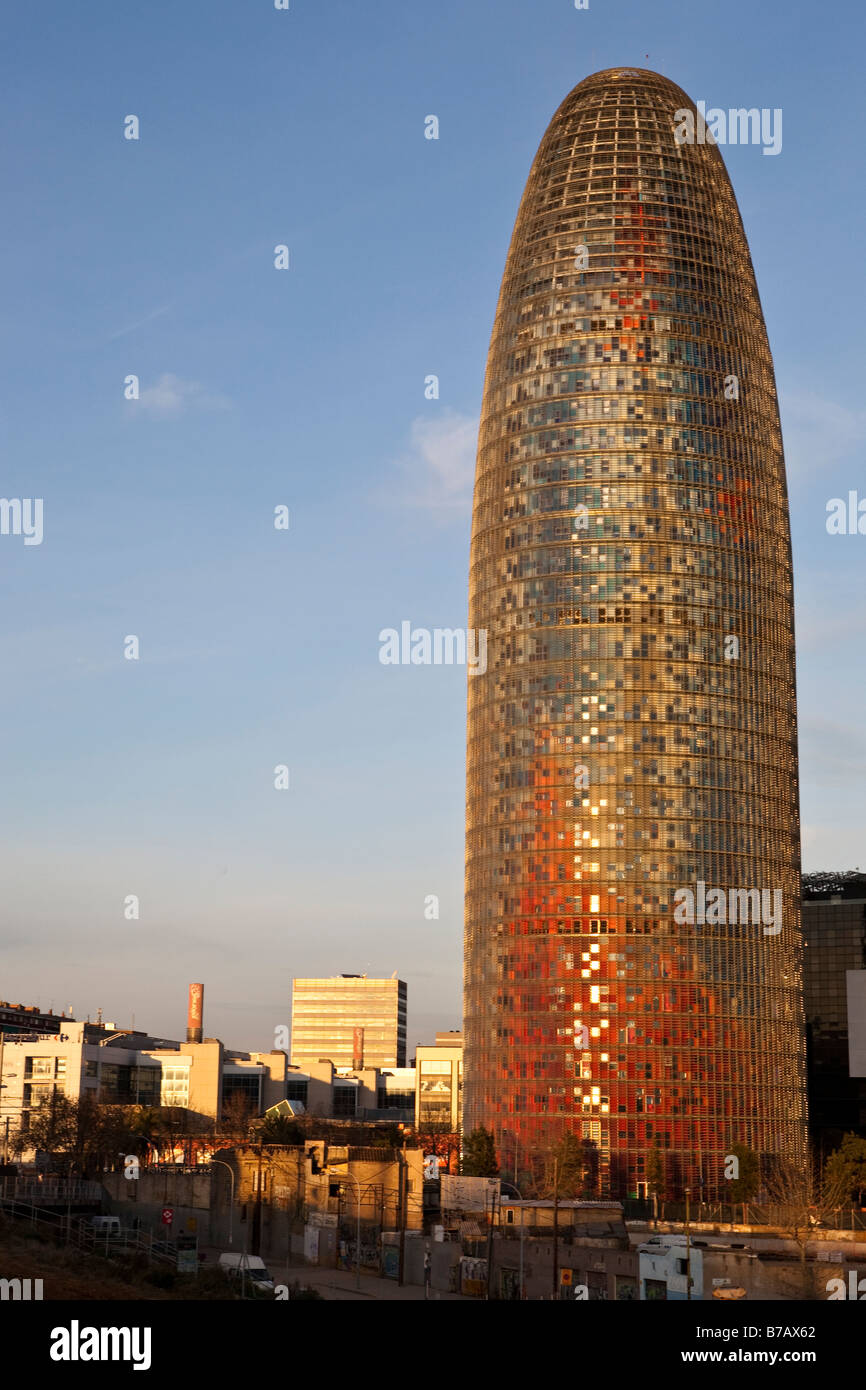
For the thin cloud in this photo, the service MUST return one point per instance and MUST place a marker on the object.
(439, 465)
(171, 395)
(139, 323)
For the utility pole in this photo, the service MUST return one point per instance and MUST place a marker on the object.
(490, 1238)
(357, 1182)
(556, 1227)
(219, 1162)
(521, 1233)
(401, 1207)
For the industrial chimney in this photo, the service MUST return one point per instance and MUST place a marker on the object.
(194, 1016)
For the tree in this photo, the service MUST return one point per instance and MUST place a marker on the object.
(802, 1204)
(232, 1129)
(569, 1166)
(442, 1141)
(566, 1170)
(655, 1170)
(51, 1127)
(846, 1168)
(180, 1128)
(479, 1154)
(745, 1185)
(280, 1129)
(82, 1136)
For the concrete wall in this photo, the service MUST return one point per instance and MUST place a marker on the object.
(144, 1199)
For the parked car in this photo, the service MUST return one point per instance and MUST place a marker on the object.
(248, 1269)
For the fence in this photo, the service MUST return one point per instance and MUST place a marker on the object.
(52, 1191)
(744, 1214)
(78, 1233)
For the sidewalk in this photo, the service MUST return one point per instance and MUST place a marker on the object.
(340, 1284)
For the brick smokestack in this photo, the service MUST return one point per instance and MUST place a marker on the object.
(195, 1014)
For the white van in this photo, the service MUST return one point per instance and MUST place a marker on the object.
(250, 1269)
(105, 1227)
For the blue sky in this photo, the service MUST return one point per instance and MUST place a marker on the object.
(306, 388)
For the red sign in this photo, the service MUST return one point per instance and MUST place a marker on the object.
(167, 1216)
(357, 1048)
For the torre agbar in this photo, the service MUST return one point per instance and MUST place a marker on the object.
(633, 948)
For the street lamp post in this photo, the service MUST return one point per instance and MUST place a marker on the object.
(688, 1250)
(231, 1173)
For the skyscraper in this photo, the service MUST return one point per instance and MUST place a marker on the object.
(633, 950)
(351, 1020)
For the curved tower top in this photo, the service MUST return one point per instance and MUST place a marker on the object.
(632, 959)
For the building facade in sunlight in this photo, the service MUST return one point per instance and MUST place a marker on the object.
(633, 948)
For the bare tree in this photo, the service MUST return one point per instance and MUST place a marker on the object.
(800, 1203)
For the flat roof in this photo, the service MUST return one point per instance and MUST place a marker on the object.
(572, 1204)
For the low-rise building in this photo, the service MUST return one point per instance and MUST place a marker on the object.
(367, 1093)
(439, 1082)
(670, 1268)
(123, 1067)
(306, 1201)
(16, 1019)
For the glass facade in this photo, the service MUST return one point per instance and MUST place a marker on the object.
(350, 1020)
(633, 740)
(175, 1085)
(247, 1086)
(834, 928)
(439, 1083)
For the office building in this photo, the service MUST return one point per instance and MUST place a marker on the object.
(633, 952)
(834, 932)
(439, 1083)
(128, 1067)
(350, 1020)
(367, 1094)
(17, 1019)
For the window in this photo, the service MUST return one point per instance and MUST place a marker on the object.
(248, 1088)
